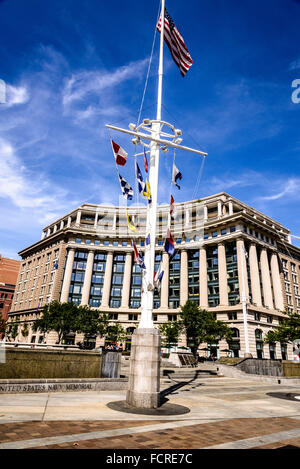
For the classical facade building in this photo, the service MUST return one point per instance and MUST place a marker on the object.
(225, 252)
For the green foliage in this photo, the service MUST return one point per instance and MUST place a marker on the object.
(3, 326)
(116, 333)
(201, 326)
(64, 318)
(12, 330)
(25, 330)
(58, 317)
(91, 322)
(170, 333)
(287, 331)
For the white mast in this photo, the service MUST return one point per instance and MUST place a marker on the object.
(148, 290)
(156, 141)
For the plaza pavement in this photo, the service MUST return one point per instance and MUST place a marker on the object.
(225, 413)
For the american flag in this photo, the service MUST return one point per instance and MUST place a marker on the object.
(176, 45)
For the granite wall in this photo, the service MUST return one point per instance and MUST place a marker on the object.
(29, 363)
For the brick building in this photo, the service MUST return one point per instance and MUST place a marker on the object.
(9, 271)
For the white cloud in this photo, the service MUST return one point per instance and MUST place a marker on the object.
(23, 188)
(289, 187)
(83, 83)
(16, 95)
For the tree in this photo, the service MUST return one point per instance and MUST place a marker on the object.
(116, 333)
(91, 322)
(12, 330)
(58, 317)
(200, 326)
(287, 331)
(170, 332)
(3, 326)
(25, 330)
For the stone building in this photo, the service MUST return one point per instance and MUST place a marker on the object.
(9, 271)
(225, 250)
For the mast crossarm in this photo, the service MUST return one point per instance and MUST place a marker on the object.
(156, 140)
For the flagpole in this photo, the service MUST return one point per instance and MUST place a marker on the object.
(148, 277)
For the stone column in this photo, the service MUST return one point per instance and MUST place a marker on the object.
(203, 278)
(242, 268)
(69, 222)
(184, 270)
(219, 209)
(266, 279)
(67, 276)
(62, 224)
(126, 281)
(277, 290)
(164, 295)
(205, 213)
(96, 220)
(223, 287)
(254, 275)
(107, 280)
(87, 279)
(230, 205)
(78, 217)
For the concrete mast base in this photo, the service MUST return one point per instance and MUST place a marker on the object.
(144, 376)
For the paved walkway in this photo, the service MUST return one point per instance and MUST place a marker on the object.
(225, 413)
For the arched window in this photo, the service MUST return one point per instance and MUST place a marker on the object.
(258, 334)
(236, 332)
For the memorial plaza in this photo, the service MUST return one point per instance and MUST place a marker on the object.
(224, 413)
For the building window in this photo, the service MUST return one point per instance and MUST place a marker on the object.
(232, 273)
(232, 229)
(172, 317)
(132, 317)
(113, 316)
(232, 316)
(259, 343)
(272, 349)
(256, 316)
(78, 240)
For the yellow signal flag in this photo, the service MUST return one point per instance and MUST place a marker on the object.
(131, 225)
(147, 193)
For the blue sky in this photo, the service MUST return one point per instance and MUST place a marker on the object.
(70, 67)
